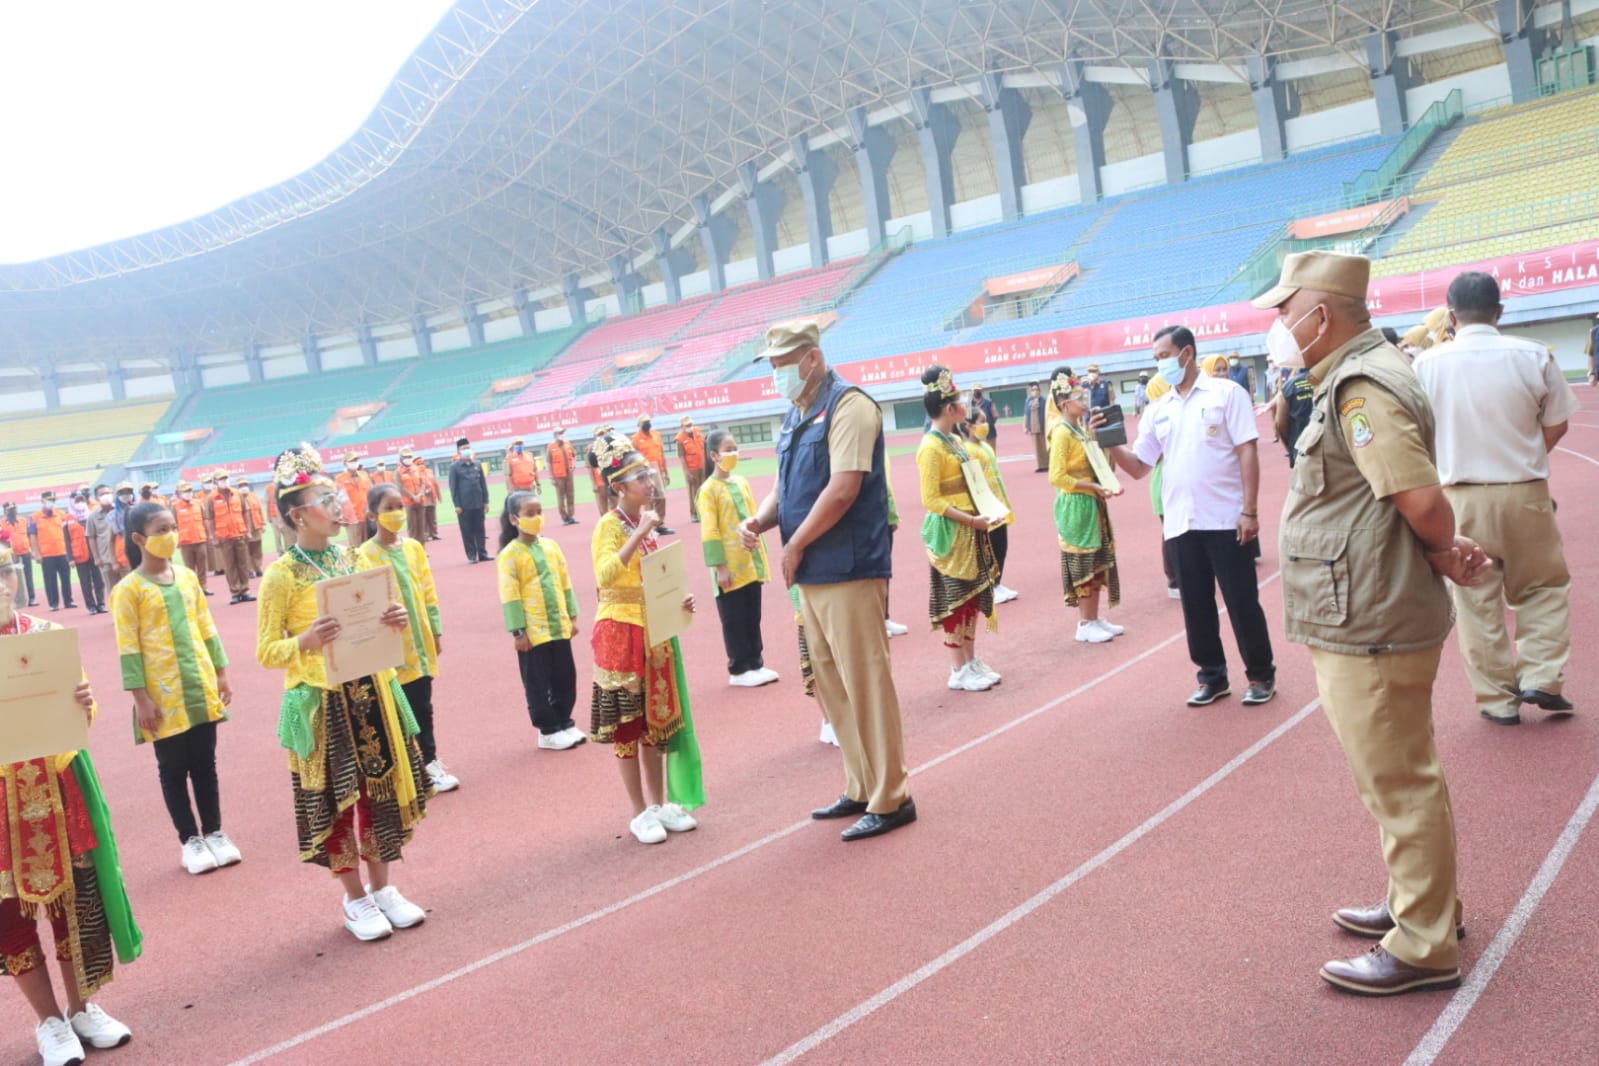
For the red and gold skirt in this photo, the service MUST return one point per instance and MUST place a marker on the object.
(635, 689)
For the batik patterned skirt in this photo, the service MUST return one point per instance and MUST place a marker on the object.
(1084, 570)
(952, 601)
(635, 689)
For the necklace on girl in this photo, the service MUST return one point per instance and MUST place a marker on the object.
(330, 554)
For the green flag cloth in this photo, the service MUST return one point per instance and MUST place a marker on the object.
(685, 779)
(125, 934)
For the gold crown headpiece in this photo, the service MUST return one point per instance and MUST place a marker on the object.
(944, 384)
(613, 451)
(1062, 383)
(298, 468)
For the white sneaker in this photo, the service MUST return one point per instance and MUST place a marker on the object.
(1003, 594)
(98, 1029)
(58, 1044)
(749, 679)
(197, 858)
(400, 912)
(577, 735)
(968, 680)
(1174, 594)
(1090, 633)
(894, 629)
(443, 780)
(365, 920)
(558, 741)
(647, 828)
(1111, 627)
(768, 675)
(674, 819)
(986, 670)
(225, 851)
(828, 736)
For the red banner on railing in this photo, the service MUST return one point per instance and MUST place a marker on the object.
(1352, 221)
(1030, 280)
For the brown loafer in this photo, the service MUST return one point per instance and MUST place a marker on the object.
(1374, 922)
(1377, 973)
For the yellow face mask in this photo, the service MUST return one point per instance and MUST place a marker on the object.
(532, 527)
(727, 461)
(393, 521)
(980, 431)
(162, 546)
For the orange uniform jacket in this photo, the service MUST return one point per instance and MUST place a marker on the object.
(79, 539)
(691, 446)
(560, 457)
(191, 521)
(355, 487)
(252, 505)
(523, 469)
(431, 494)
(413, 483)
(227, 515)
(48, 534)
(650, 447)
(384, 478)
(20, 544)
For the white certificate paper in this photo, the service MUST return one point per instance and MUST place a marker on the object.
(1104, 472)
(665, 588)
(364, 644)
(988, 505)
(39, 710)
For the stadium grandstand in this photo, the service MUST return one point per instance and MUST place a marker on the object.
(563, 212)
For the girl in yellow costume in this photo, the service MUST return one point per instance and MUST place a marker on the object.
(354, 763)
(175, 668)
(58, 860)
(977, 431)
(725, 501)
(1082, 520)
(640, 701)
(412, 586)
(959, 549)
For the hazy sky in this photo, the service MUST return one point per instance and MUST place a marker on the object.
(119, 117)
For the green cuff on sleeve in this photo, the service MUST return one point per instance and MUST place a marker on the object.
(434, 620)
(715, 554)
(132, 672)
(219, 655)
(515, 617)
(571, 604)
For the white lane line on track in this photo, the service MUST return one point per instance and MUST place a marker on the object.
(999, 925)
(688, 875)
(1460, 1004)
(1579, 455)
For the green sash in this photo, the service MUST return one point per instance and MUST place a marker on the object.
(125, 934)
(685, 780)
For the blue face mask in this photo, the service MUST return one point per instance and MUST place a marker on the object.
(788, 381)
(1171, 370)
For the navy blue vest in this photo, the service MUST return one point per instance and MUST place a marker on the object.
(857, 547)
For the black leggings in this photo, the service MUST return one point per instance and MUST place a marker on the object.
(191, 756)
(999, 537)
(549, 682)
(740, 611)
(419, 694)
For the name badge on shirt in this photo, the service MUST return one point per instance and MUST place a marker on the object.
(1212, 431)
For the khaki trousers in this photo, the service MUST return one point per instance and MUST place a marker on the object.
(235, 552)
(603, 500)
(1515, 524)
(564, 500)
(416, 522)
(431, 513)
(695, 478)
(255, 552)
(854, 681)
(282, 535)
(196, 556)
(1041, 449)
(1380, 707)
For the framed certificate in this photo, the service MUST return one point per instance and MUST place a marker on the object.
(364, 644)
(665, 587)
(39, 711)
(1104, 473)
(988, 505)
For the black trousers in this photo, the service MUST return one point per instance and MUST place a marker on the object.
(1168, 561)
(471, 522)
(419, 694)
(190, 758)
(549, 681)
(57, 581)
(999, 537)
(93, 586)
(886, 591)
(1205, 559)
(25, 560)
(740, 611)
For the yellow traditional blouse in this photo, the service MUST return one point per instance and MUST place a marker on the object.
(722, 506)
(170, 649)
(410, 583)
(990, 464)
(1069, 468)
(536, 591)
(621, 587)
(943, 485)
(286, 608)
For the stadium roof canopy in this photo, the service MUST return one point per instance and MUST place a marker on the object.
(529, 139)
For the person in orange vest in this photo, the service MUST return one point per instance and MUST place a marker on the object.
(380, 473)
(413, 490)
(88, 576)
(354, 484)
(603, 498)
(653, 449)
(49, 539)
(282, 535)
(213, 554)
(562, 463)
(691, 450)
(21, 546)
(192, 532)
(254, 520)
(229, 519)
(431, 506)
(521, 469)
(100, 531)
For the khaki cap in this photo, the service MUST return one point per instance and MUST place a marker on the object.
(124, 486)
(1334, 272)
(351, 457)
(517, 441)
(184, 486)
(785, 338)
(686, 420)
(406, 453)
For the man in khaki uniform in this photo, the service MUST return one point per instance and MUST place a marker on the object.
(1502, 404)
(691, 451)
(831, 505)
(1367, 538)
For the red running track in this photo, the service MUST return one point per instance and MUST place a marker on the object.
(1100, 875)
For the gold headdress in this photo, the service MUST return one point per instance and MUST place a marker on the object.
(1062, 383)
(297, 468)
(617, 457)
(943, 385)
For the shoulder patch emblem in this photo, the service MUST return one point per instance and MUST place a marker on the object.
(1360, 432)
(1349, 406)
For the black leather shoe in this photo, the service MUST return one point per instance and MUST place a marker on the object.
(1553, 702)
(245, 597)
(1259, 692)
(1374, 922)
(843, 807)
(1205, 695)
(875, 825)
(665, 530)
(1502, 719)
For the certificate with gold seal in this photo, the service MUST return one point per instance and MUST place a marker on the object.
(364, 644)
(39, 711)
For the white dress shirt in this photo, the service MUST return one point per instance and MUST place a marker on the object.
(1202, 485)
(1492, 396)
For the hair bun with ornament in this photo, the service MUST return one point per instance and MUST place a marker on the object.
(297, 469)
(616, 457)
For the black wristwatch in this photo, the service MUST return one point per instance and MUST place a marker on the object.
(518, 632)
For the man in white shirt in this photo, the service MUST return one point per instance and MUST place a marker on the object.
(1502, 404)
(1204, 429)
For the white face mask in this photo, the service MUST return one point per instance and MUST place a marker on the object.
(1282, 350)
